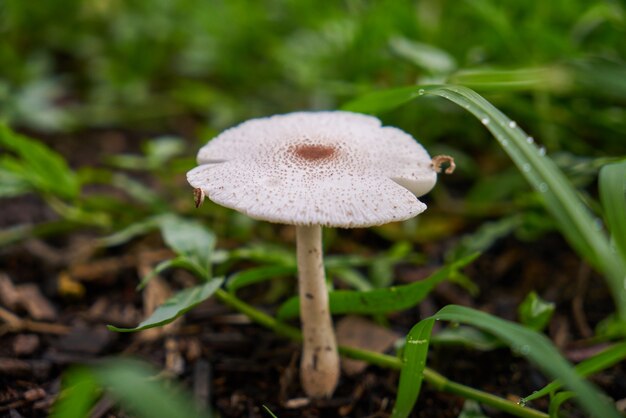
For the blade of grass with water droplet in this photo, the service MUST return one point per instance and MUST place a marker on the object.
(600, 361)
(560, 198)
(528, 343)
(414, 362)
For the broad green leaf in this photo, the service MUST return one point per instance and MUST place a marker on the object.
(79, 393)
(414, 361)
(559, 196)
(613, 196)
(189, 239)
(256, 275)
(43, 168)
(535, 312)
(379, 301)
(134, 385)
(600, 361)
(177, 305)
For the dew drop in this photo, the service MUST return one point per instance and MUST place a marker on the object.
(542, 151)
(504, 142)
(530, 140)
(512, 124)
(524, 350)
(522, 402)
(543, 187)
(526, 167)
(485, 121)
(597, 223)
(420, 91)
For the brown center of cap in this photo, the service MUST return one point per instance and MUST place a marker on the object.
(313, 152)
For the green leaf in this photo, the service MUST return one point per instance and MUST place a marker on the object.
(177, 305)
(613, 197)
(379, 301)
(535, 312)
(38, 165)
(178, 262)
(411, 375)
(557, 401)
(79, 393)
(189, 239)
(467, 337)
(559, 196)
(600, 361)
(256, 275)
(134, 385)
(131, 231)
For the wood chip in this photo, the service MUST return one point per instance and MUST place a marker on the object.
(25, 344)
(37, 305)
(354, 331)
(9, 295)
(28, 297)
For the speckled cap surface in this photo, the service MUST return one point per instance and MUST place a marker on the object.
(335, 168)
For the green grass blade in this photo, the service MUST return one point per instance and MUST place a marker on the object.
(556, 402)
(379, 301)
(613, 197)
(560, 198)
(412, 374)
(539, 350)
(600, 361)
(257, 275)
(177, 305)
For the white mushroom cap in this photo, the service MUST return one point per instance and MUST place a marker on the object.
(334, 168)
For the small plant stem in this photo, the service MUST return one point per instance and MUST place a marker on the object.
(438, 381)
(319, 363)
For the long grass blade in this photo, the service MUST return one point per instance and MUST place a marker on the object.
(530, 344)
(613, 196)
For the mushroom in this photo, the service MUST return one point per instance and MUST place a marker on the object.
(314, 169)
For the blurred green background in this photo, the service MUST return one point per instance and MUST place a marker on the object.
(190, 68)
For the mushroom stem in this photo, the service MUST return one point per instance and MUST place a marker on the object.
(319, 365)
